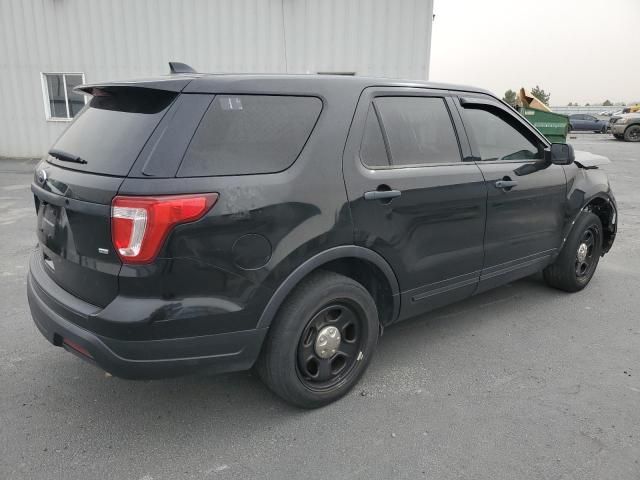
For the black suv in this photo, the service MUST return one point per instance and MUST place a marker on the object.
(223, 222)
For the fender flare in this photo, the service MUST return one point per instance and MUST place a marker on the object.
(335, 253)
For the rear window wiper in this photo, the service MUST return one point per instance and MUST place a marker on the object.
(66, 157)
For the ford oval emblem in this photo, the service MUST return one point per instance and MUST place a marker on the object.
(41, 176)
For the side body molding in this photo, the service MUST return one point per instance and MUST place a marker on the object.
(335, 253)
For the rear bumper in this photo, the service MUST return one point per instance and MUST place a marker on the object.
(52, 307)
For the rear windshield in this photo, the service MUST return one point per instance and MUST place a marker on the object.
(108, 135)
(249, 134)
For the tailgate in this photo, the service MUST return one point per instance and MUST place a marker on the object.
(73, 229)
(74, 187)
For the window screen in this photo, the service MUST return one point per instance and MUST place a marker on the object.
(249, 134)
(496, 139)
(419, 130)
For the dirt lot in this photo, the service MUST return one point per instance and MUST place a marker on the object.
(521, 382)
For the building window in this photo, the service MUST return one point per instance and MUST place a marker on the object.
(60, 101)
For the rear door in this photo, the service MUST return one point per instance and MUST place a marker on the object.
(74, 187)
(413, 199)
(526, 196)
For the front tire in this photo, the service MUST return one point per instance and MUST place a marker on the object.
(632, 134)
(321, 341)
(577, 262)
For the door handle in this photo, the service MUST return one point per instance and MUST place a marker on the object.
(382, 194)
(506, 183)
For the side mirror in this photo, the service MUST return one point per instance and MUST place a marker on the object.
(560, 154)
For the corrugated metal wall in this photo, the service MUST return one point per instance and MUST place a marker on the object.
(123, 39)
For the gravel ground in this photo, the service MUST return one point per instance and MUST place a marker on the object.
(522, 382)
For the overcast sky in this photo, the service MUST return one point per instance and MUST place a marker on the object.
(579, 50)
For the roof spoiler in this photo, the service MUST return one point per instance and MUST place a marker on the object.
(178, 67)
(168, 83)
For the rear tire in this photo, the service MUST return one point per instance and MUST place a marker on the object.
(577, 262)
(632, 133)
(293, 362)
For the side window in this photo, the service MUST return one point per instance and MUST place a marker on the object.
(498, 140)
(418, 130)
(373, 152)
(250, 134)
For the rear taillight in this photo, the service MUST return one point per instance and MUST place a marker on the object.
(139, 225)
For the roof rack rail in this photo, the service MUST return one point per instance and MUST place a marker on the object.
(179, 67)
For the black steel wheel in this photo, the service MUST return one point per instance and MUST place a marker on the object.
(585, 261)
(330, 345)
(632, 133)
(321, 341)
(577, 262)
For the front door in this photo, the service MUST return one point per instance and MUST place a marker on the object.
(592, 123)
(412, 197)
(526, 195)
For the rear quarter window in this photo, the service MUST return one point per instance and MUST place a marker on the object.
(250, 134)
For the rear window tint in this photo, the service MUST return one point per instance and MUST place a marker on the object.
(249, 134)
(110, 132)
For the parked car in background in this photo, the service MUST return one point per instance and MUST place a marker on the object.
(626, 127)
(221, 222)
(587, 123)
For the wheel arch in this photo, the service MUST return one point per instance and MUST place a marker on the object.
(362, 264)
(630, 126)
(605, 208)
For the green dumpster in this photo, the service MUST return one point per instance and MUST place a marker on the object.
(554, 126)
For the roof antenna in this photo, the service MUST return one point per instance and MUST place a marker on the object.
(178, 67)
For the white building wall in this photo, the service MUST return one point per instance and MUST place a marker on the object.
(388, 38)
(124, 39)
